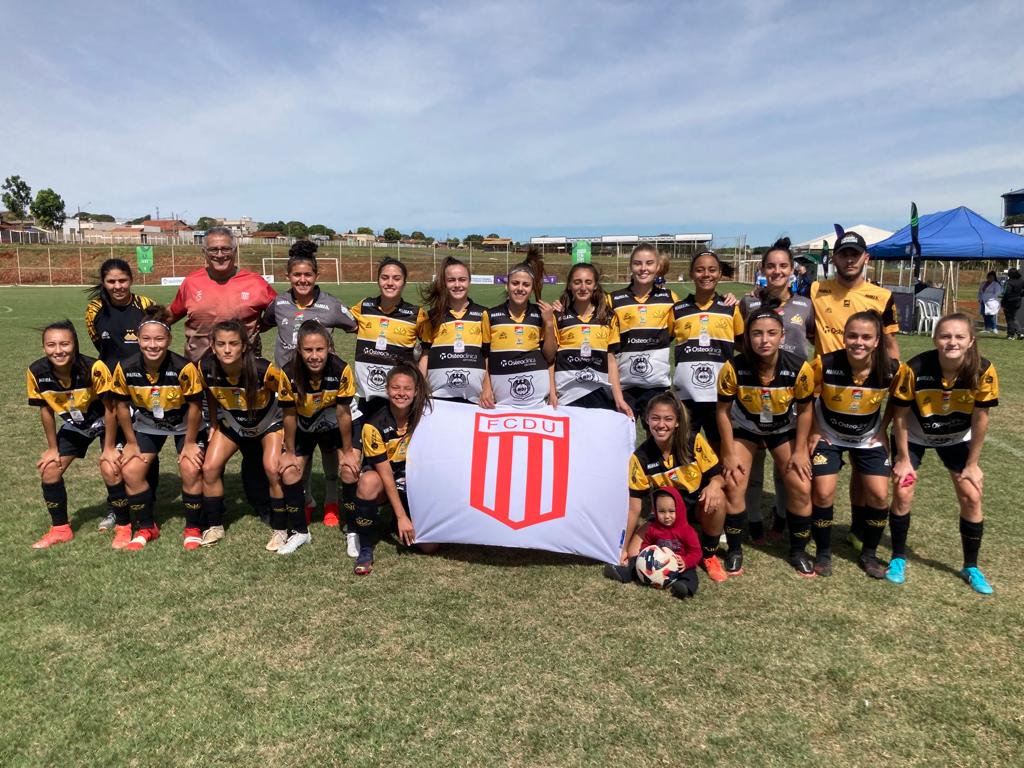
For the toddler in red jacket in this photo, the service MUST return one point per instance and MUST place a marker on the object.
(669, 528)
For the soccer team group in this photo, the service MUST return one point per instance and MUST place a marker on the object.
(814, 381)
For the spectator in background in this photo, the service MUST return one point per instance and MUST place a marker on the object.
(988, 301)
(1013, 292)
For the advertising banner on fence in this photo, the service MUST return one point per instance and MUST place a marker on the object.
(553, 479)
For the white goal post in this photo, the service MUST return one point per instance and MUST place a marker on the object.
(323, 263)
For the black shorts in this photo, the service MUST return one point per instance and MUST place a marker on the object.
(306, 443)
(954, 456)
(768, 442)
(149, 443)
(704, 416)
(827, 459)
(399, 477)
(245, 441)
(638, 397)
(599, 398)
(72, 443)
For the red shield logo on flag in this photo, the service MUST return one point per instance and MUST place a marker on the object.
(520, 469)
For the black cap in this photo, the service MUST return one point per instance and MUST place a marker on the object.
(850, 241)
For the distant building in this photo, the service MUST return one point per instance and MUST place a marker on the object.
(674, 244)
(168, 226)
(356, 238)
(243, 227)
(496, 244)
(1013, 205)
(267, 236)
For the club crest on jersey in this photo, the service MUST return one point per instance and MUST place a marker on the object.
(520, 469)
(640, 366)
(702, 376)
(521, 387)
(457, 379)
(585, 375)
(377, 378)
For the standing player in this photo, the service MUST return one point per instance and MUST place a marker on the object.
(69, 387)
(941, 400)
(834, 302)
(522, 345)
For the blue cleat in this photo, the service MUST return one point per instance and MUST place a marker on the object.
(897, 571)
(977, 580)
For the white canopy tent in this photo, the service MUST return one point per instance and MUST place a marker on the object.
(870, 234)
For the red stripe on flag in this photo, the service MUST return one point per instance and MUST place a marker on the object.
(534, 481)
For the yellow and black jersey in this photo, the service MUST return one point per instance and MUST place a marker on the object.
(114, 330)
(581, 363)
(941, 410)
(515, 361)
(159, 401)
(705, 339)
(232, 404)
(649, 468)
(645, 326)
(765, 409)
(833, 305)
(76, 401)
(384, 441)
(383, 339)
(316, 408)
(455, 353)
(848, 411)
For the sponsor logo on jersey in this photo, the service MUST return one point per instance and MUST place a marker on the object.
(521, 387)
(702, 375)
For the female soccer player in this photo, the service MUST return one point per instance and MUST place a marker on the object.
(941, 400)
(757, 390)
(243, 392)
(850, 386)
(454, 339)
(585, 373)
(644, 321)
(522, 346)
(305, 301)
(675, 456)
(322, 388)
(159, 395)
(385, 440)
(705, 327)
(68, 386)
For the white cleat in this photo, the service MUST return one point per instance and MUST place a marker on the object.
(352, 547)
(294, 541)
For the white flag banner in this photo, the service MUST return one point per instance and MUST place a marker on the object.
(553, 479)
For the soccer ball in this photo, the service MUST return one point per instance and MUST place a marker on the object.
(656, 566)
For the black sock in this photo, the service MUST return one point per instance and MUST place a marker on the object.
(140, 507)
(757, 529)
(778, 523)
(366, 520)
(970, 539)
(278, 514)
(153, 475)
(213, 510)
(709, 544)
(898, 527)
(294, 501)
(55, 496)
(821, 529)
(857, 520)
(348, 506)
(734, 530)
(799, 532)
(117, 504)
(193, 503)
(874, 527)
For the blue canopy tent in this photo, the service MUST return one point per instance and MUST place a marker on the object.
(952, 236)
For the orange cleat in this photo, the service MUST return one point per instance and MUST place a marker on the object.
(58, 534)
(143, 537)
(193, 538)
(331, 516)
(714, 568)
(122, 535)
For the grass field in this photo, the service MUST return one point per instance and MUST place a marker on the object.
(231, 656)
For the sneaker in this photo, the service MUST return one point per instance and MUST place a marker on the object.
(352, 544)
(872, 566)
(310, 509)
(802, 563)
(854, 542)
(193, 538)
(896, 573)
(621, 573)
(108, 522)
(679, 589)
(58, 534)
(277, 540)
(977, 580)
(823, 565)
(734, 563)
(293, 542)
(212, 535)
(122, 536)
(331, 517)
(143, 537)
(713, 567)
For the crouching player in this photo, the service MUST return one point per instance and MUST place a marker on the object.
(159, 395)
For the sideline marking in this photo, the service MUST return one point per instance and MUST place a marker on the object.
(5, 309)
(1003, 446)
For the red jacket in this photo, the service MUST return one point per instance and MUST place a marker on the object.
(680, 538)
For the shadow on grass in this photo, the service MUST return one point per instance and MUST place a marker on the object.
(507, 557)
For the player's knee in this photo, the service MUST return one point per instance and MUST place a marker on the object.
(369, 487)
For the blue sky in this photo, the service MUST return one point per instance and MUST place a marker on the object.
(523, 118)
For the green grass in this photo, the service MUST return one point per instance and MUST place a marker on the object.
(477, 656)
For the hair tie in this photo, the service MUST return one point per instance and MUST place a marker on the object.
(149, 320)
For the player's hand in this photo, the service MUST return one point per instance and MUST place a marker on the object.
(800, 462)
(972, 474)
(50, 456)
(623, 407)
(349, 461)
(903, 473)
(192, 452)
(406, 533)
(731, 469)
(556, 305)
(547, 312)
(287, 461)
(623, 557)
(730, 300)
(712, 499)
(553, 399)
(131, 452)
(486, 397)
(112, 459)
